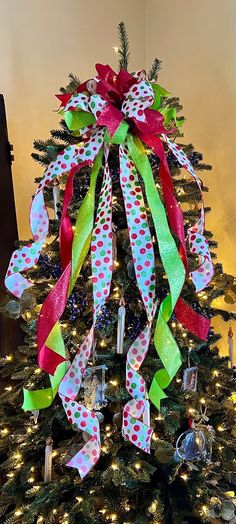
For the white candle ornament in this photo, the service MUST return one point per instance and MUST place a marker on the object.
(232, 355)
(56, 199)
(121, 327)
(48, 460)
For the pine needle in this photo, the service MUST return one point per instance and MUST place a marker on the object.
(154, 70)
(124, 46)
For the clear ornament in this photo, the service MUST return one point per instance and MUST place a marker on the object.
(191, 445)
(94, 385)
(14, 309)
(27, 300)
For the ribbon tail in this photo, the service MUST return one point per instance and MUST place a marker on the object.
(78, 415)
(198, 244)
(165, 343)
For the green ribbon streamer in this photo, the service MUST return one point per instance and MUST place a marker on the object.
(42, 398)
(165, 344)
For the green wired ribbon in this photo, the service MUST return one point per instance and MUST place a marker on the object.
(165, 344)
(42, 398)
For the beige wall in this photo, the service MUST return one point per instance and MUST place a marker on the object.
(41, 41)
(196, 40)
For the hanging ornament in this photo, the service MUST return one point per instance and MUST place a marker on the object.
(117, 419)
(56, 199)
(146, 413)
(94, 387)
(232, 354)
(114, 244)
(48, 460)
(86, 436)
(190, 379)
(13, 308)
(121, 327)
(190, 376)
(27, 300)
(191, 445)
(99, 416)
(196, 443)
(35, 414)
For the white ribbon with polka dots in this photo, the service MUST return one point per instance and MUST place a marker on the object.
(202, 276)
(134, 429)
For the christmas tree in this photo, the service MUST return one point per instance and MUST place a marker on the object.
(177, 464)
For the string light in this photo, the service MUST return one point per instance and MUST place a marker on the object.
(79, 499)
(73, 332)
(215, 373)
(18, 512)
(137, 465)
(54, 511)
(9, 358)
(113, 517)
(155, 437)
(202, 401)
(10, 475)
(38, 371)
(8, 388)
(29, 430)
(184, 476)
(103, 511)
(114, 466)
(114, 382)
(116, 48)
(5, 431)
(31, 479)
(103, 344)
(116, 263)
(173, 324)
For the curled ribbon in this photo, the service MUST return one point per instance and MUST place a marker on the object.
(113, 109)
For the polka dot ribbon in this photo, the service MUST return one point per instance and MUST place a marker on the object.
(102, 264)
(27, 256)
(202, 276)
(136, 431)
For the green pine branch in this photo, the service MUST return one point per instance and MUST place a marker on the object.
(124, 46)
(154, 70)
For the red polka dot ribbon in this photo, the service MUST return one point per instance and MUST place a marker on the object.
(133, 429)
(27, 256)
(102, 264)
